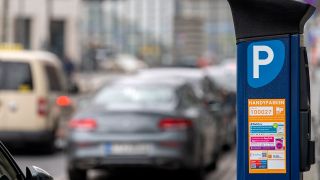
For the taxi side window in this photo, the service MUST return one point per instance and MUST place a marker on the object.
(16, 76)
(54, 82)
(1, 74)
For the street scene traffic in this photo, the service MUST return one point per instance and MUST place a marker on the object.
(139, 89)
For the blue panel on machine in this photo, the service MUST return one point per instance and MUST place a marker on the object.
(268, 84)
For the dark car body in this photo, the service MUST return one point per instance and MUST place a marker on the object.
(173, 133)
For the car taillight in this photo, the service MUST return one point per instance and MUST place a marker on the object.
(175, 124)
(63, 101)
(170, 144)
(42, 107)
(83, 124)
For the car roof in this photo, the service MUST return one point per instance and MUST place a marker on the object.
(187, 73)
(137, 80)
(224, 75)
(41, 56)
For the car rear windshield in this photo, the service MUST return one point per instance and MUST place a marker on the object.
(15, 76)
(136, 96)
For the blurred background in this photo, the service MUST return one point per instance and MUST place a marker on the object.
(128, 63)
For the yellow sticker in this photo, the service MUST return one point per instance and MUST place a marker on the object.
(24, 88)
(267, 136)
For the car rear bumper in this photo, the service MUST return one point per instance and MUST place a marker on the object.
(25, 137)
(171, 150)
(160, 156)
(128, 162)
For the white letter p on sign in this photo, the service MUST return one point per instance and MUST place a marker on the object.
(257, 62)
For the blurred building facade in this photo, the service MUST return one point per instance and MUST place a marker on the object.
(157, 31)
(42, 25)
(143, 28)
(160, 31)
(204, 28)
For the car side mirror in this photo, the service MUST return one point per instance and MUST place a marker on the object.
(36, 173)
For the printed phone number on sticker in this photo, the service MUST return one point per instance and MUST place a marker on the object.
(261, 111)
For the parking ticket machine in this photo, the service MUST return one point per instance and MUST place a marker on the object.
(274, 116)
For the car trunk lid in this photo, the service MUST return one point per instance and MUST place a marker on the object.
(129, 122)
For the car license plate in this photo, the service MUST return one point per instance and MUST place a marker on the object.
(128, 149)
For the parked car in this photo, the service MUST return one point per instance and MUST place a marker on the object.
(142, 123)
(225, 77)
(192, 62)
(207, 91)
(123, 63)
(11, 171)
(30, 86)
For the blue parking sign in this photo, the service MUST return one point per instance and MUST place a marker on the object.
(265, 62)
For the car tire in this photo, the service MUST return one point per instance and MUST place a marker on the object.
(231, 142)
(196, 174)
(77, 174)
(49, 147)
(226, 147)
(213, 164)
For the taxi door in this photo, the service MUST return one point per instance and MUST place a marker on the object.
(18, 99)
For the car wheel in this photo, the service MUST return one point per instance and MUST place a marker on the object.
(231, 142)
(226, 147)
(213, 164)
(77, 174)
(197, 174)
(49, 146)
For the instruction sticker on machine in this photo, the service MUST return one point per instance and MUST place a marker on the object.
(267, 136)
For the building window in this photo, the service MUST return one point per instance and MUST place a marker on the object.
(22, 32)
(57, 37)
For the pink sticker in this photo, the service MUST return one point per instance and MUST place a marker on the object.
(262, 139)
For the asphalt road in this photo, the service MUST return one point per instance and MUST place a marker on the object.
(56, 166)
